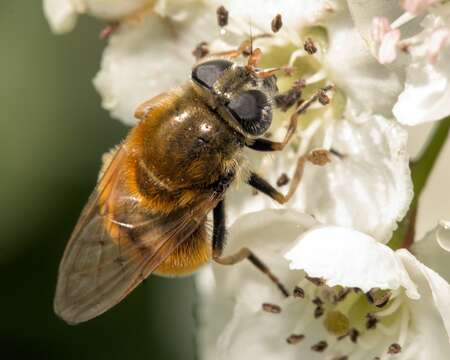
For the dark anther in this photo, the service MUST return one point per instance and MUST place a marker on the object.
(271, 308)
(277, 23)
(317, 301)
(320, 346)
(283, 180)
(341, 295)
(222, 16)
(345, 357)
(394, 348)
(299, 292)
(287, 99)
(310, 47)
(324, 99)
(318, 312)
(371, 322)
(201, 50)
(378, 297)
(295, 339)
(354, 335)
(315, 281)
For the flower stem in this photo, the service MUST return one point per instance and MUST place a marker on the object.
(421, 169)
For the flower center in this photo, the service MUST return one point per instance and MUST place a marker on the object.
(353, 321)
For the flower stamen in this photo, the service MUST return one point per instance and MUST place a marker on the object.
(394, 349)
(299, 292)
(295, 339)
(271, 308)
(320, 346)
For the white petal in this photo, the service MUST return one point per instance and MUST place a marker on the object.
(255, 334)
(434, 249)
(369, 86)
(143, 60)
(426, 96)
(428, 281)
(349, 258)
(429, 339)
(114, 9)
(61, 15)
(369, 189)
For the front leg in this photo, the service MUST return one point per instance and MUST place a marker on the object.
(262, 144)
(317, 157)
(218, 243)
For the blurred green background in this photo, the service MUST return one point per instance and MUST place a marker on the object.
(53, 133)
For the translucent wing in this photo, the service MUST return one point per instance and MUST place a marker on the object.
(116, 244)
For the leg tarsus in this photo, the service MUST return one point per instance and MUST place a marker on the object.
(246, 253)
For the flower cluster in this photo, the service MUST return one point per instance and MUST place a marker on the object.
(353, 296)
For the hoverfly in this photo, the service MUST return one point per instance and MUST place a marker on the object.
(148, 212)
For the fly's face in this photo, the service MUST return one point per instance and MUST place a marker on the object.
(242, 99)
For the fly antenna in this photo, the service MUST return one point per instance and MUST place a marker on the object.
(255, 54)
(251, 36)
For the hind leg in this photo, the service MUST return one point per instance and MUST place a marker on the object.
(219, 232)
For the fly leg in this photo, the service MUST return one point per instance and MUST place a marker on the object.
(317, 157)
(218, 243)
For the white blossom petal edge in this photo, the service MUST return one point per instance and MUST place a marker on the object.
(434, 249)
(349, 258)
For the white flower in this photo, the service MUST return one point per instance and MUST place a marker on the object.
(426, 93)
(412, 317)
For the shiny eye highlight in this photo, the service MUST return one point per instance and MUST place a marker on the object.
(252, 110)
(207, 73)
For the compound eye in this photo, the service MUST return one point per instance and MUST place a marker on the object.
(207, 73)
(252, 110)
